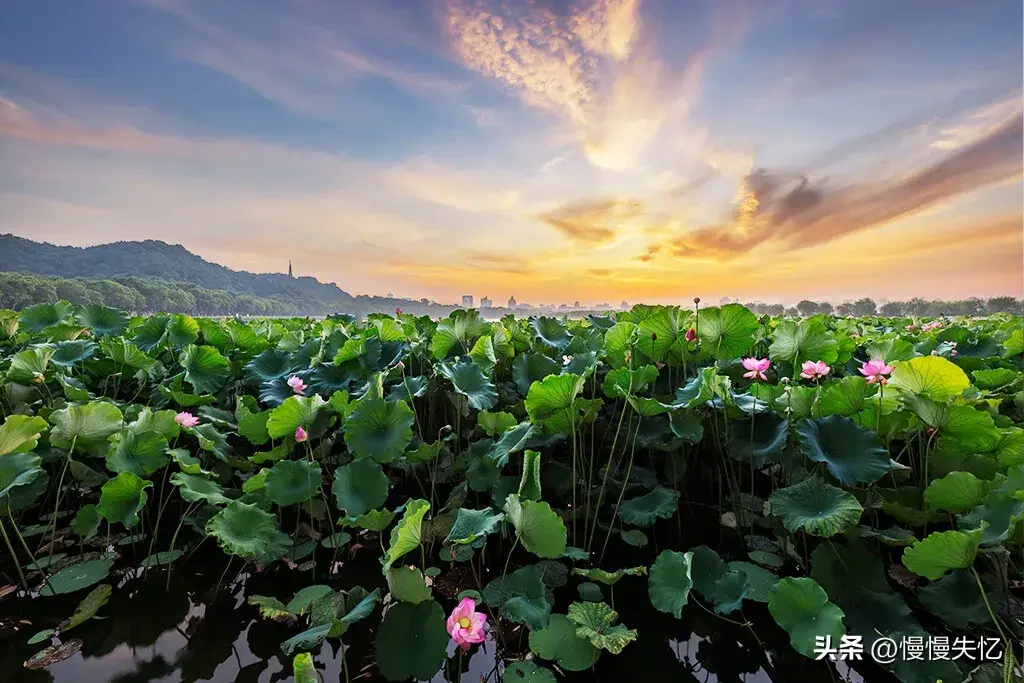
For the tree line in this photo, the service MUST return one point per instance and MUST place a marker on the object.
(149, 295)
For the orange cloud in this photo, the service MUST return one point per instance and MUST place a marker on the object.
(593, 222)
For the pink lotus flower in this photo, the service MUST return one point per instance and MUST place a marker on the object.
(691, 335)
(398, 310)
(300, 435)
(876, 371)
(911, 327)
(186, 419)
(812, 370)
(297, 385)
(466, 625)
(756, 368)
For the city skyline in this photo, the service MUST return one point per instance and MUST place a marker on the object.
(592, 150)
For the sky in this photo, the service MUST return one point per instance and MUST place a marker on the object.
(554, 150)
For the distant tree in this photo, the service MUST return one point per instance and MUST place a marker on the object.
(824, 307)
(1003, 304)
(893, 309)
(791, 312)
(864, 307)
(917, 306)
(807, 308)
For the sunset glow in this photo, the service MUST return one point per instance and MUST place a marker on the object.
(592, 150)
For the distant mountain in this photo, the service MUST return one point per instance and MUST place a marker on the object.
(167, 262)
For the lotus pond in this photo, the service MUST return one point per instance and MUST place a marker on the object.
(688, 494)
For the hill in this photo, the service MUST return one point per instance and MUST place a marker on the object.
(152, 259)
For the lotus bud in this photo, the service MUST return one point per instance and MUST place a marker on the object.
(401, 365)
(38, 377)
(696, 299)
(654, 336)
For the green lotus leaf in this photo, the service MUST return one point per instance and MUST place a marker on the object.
(336, 540)
(407, 584)
(470, 381)
(532, 367)
(77, 576)
(760, 581)
(308, 639)
(996, 519)
(30, 366)
(306, 597)
(706, 568)
(205, 368)
(893, 536)
(550, 332)
(728, 331)
(528, 672)
(802, 608)
(458, 332)
(512, 441)
(495, 424)
(411, 640)
(86, 522)
(86, 427)
(375, 520)
(890, 350)
(658, 335)
(707, 385)
(122, 498)
(294, 412)
(670, 582)
(553, 400)
(956, 599)
(851, 453)
(760, 443)
(796, 342)
(303, 670)
(595, 621)
(765, 558)
(590, 592)
(940, 552)
(853, 397)
(995, 379)
(622, 382)
(140, 452)
(182, 330)
(729, 591)
(88, 608)
(247, 531)
(521, 596)
(34, 319)
(483, 354)
(645, 510)
(103, 320)
(408, 533)
(252, 422)
(815, 507)
(379, 429)
(529, 485)
(956, 492)
(360, 486)
(196, 487)
(471, 525)
(161, 559)
(159, 421)
(634, 537)
(618, 340)
(609, 578)
(538, 527)
(559, 642)
(933, 377)
(68, 354)
(22, 480)
(293, 481)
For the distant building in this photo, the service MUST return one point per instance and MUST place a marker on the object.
(724, 300)
(576, 304)
(467, 301)
(485, 302)
(290, 269)
(624, 305)
(512, 303)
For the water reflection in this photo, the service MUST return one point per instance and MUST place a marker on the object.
(192, 633)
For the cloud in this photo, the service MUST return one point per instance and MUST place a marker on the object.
(430, 181)
(583, 65)
(979, 123)
(593, 222)
(792, 212)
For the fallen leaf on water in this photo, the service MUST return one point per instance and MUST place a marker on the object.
(53, 654)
